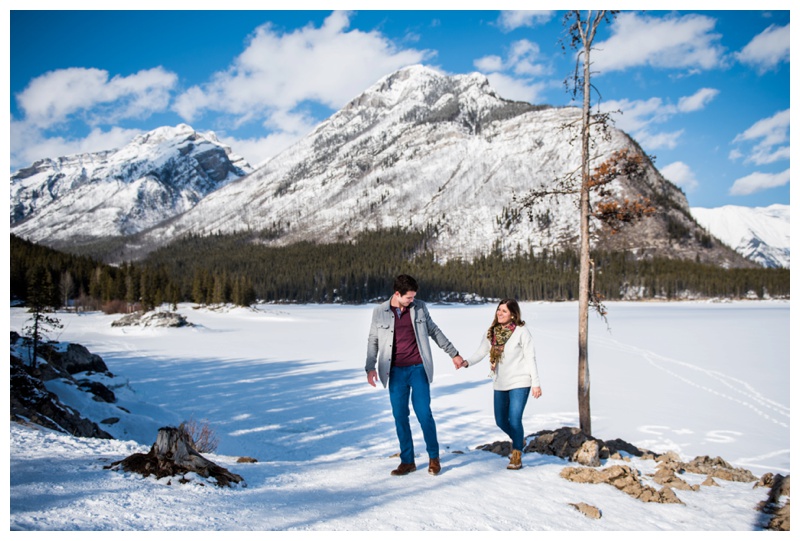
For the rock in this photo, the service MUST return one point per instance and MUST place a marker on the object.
(717, 467)
(623, 478)
(668, 477)
(31, 402)
(779, 491)
(616, 445)
(709, 482)
(152, 319)
(568, 443)
(246, 460)
(781, 520)
(669, 456)
(76, 358)
(101, 392)
(588, 510)
(502, 448)
(588, 454)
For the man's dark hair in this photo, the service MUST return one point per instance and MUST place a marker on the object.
(405, 283)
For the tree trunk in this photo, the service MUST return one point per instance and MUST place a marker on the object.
(173, 454)
(584, 411)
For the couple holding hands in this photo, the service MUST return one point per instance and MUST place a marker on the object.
(399, 355)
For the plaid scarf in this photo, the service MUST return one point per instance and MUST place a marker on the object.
(498, 336)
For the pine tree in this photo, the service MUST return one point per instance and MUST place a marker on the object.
(40, 304)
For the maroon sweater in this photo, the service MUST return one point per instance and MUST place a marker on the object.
(404, 350)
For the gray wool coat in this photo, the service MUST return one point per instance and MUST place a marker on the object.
(381, 339)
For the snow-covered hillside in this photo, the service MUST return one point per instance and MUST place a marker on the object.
(667, 376)
(120, 192)
(420, 149)
(761, 234)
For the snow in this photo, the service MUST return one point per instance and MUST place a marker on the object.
(761, 233)
(286, 385)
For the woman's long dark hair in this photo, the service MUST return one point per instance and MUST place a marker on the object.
(516, 314)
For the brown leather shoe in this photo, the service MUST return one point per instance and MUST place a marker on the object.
(515, 462)
(434, 467)
(404, 469)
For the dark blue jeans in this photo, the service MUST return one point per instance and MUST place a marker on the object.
(411, 382)
(508, 408)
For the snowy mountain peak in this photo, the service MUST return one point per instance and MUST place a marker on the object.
(761, 234)
(417, 150)
(423, 150)
(158, 175)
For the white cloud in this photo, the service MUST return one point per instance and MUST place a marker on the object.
(670, 42)
(56, 96)
(697, 101)
(258, 150)
(766, 50)
(513, 78)
(636, 115)
(276, 72)
(769, 138)
(488, 64)
(510, 20)
(28, 145)
(657, 140)
(512, 88)
(639, 118)
(681, 175)
(757, 182)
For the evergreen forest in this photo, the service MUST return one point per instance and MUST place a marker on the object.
(242, 269)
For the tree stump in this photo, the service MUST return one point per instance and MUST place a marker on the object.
(173, 454)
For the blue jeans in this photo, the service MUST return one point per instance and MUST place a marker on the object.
(508, 408)
(411, 382)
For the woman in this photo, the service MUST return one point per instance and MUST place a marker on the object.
(509, 345)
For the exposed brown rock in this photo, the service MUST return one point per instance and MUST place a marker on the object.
(623, 478)
(719, 468)
(589, 510)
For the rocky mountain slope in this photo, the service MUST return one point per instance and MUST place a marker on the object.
(423, 150)
(120, 192)
(417, 150)
(761, 234)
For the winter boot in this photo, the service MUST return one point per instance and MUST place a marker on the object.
(515, 462)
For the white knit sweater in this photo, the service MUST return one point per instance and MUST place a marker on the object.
(517, 366)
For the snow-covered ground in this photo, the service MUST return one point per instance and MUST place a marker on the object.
(286, 385)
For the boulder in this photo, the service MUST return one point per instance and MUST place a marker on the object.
(152, 319)
(76, 358)
(32, 403)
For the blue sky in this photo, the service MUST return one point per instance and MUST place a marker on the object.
(705, 92)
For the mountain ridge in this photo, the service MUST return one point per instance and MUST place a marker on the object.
(123, 191)
(423, 150)
(761, 234)
(426, 151)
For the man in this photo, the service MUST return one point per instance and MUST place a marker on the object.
(398, 344)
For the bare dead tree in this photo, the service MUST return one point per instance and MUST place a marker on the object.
(591, 178)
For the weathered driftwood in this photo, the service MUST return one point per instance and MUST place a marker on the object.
(173, 454)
